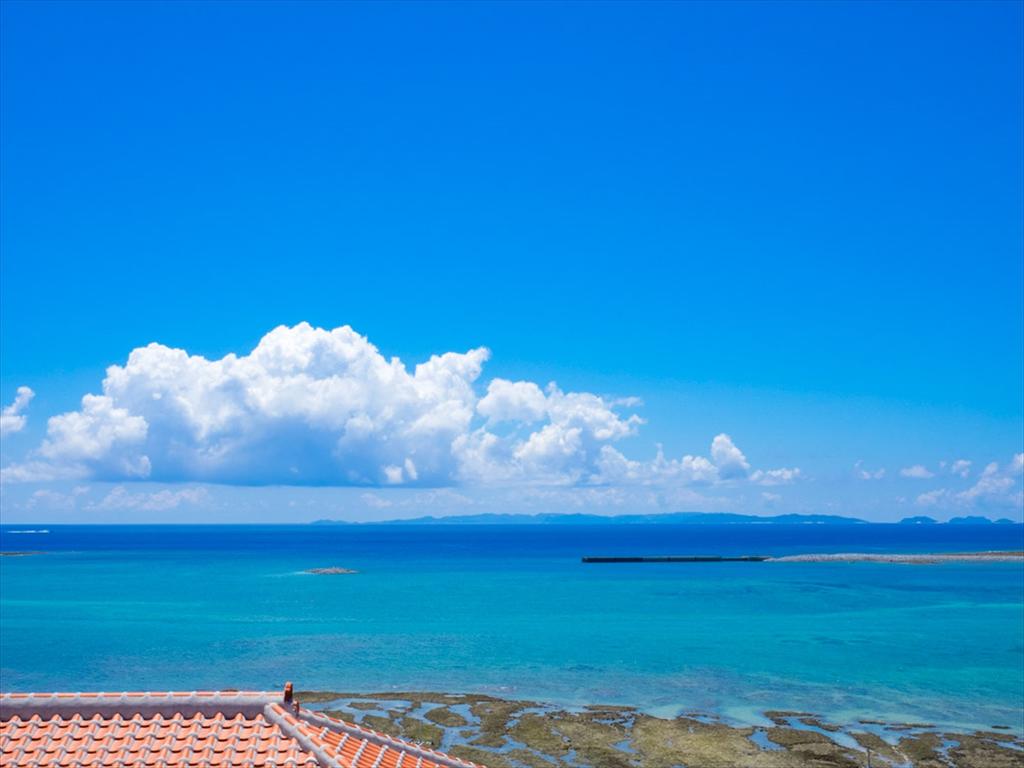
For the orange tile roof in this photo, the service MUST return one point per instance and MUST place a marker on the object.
(205, 729)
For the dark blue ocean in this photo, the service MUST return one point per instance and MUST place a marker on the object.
(510, 610)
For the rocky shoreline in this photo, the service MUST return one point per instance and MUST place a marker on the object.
(502, 733)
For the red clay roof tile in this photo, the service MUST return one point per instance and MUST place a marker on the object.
(198, 729)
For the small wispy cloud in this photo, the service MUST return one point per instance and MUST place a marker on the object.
(931, 498)
(12, 417)
(868, 474)
(917, 472)
(781, 476)
(154, 501)
(961, 467)
(995, 488)
(48, 499)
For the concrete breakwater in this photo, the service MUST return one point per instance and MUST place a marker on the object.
(912, 559)
(833, 557)
(679, 559)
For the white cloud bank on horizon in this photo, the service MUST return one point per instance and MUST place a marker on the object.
(310, 406)
(12, 417)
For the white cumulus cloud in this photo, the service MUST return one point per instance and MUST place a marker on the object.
(306, 406)
(12, 417)
(728, 458)
(513, 401)
(727, 463)
(556, 437)
(311, 406)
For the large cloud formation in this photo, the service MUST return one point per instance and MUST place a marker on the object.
(310, 406)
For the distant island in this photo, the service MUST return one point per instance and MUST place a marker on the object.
(668, 518)
(968, 520)
(553, 518)
(977, 520)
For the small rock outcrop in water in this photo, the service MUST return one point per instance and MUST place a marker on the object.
(332, 571)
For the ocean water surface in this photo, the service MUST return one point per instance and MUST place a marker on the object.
(510, 610)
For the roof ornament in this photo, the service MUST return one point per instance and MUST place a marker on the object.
(288, 693)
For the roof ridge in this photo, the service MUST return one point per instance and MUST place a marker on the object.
(214, 742)
(288, 724)
(94, 694)
(129, 703)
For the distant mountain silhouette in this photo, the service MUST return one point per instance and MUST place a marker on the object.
(969, 520)
(918, 520)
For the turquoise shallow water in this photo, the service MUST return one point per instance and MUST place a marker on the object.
(510, 610)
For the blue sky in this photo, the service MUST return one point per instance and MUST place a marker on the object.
(794, 224)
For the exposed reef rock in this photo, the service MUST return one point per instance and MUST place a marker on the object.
(521, 734)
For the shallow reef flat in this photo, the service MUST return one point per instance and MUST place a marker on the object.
(501, 733)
